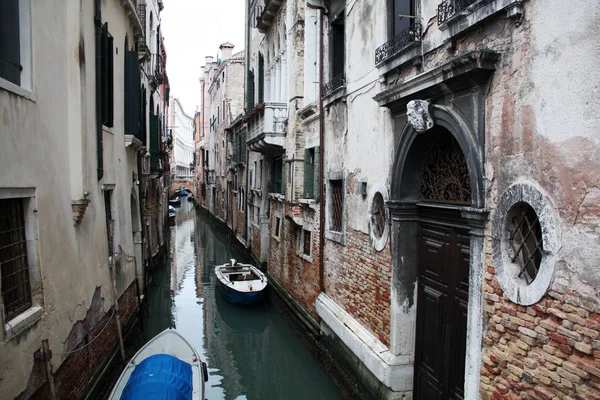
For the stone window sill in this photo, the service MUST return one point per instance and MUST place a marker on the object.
(21, 322)
(18, 90)
(335, 237)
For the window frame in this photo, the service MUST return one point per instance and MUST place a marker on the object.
(330, 232)
(277, 225)
(18, 324)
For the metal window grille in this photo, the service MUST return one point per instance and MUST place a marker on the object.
(449, 8)
(526, 242)
(337, 205)
(378, 215)
(307, 243)
(14, 267)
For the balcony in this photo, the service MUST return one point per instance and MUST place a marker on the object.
(157, 70)
(336, 83)
(398, 44)
(263, 13)
(449, 8)
(267, 127)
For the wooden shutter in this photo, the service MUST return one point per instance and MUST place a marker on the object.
(261, 79)
(10, 43)
(111, 83)
(316, 175)
(132, 95)
(104, 73)
(250, 91)
(309, 173)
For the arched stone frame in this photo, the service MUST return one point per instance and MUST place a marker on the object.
(406, 179)
(519, 292)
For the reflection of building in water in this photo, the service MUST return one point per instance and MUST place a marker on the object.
(184, 248)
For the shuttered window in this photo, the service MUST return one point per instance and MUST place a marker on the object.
(261, 79)
(311, 173)
(277, 176)
(107, 76)
(10, 43)
(250, 91)
(132, 96)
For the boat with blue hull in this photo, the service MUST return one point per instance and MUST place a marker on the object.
(241, 283)
(167, 367)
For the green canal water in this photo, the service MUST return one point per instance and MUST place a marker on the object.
(251, 352)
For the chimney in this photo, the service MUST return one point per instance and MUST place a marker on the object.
(226, 50)
(209, 60)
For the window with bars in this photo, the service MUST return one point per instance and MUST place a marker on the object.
(526, 241)
(307, 243)
(337, 204)
(311, 173)
(277, 228)
(378, 215)
(14, 265)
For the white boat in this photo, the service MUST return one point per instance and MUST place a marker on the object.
(241, 283)
(166, 367)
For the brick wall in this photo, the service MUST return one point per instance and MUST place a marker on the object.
(76, 372)
(298, 275)
(255, 240)
(549, 350)
(358, 279)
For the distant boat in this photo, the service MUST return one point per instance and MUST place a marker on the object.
(191, 198)
(167, 367)
(175, 201)
(241, 283)
(172, 212)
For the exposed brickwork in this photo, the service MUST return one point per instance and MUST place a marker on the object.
(297, 274)
(550, 350)
(75, 373)
(358, 279)
(255, 240)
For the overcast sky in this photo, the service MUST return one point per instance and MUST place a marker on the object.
(194, 29)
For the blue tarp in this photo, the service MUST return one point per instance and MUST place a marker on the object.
(160, 376)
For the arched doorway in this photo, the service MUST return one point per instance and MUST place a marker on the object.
(437, 216)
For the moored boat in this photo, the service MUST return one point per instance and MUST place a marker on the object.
(241, 283)
(176, 201)
(167, 367)
(172, 212)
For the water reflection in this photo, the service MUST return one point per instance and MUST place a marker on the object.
(251, 352)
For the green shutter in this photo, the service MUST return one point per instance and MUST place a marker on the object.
(10, 42)
(261, 79)
(309, 173)
(132, 95)
(250, 91)
(316, 174)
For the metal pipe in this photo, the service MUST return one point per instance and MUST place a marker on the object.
(113, 278)
(98, 31)
(321, 163)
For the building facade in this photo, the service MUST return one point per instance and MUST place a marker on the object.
(414, 159)
(182, 130)
(70, 199)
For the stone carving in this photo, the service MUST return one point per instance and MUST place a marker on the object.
(418, 115)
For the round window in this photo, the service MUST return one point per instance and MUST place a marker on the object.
(524, 243)
(378, 216)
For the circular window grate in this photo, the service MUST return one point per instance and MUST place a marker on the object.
(525, 240)
(378, 215)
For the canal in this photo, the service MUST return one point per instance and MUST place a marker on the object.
(251, 352)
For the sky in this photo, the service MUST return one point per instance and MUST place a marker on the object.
(192, 30)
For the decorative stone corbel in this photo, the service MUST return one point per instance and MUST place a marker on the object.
(418, 115)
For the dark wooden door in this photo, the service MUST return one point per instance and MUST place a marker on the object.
(442, 305)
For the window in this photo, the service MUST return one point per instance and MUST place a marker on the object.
(401, 20)
(250, 90)
(526, 240)
(277, 176)
(337, 46)
(21, 285)
(277, 228)
(259, 175)
(311, 173)
(107, 76)
(223, 108)
(307, 243)
(337, 205)
(526, 245)
(16, 288)
(378, 216)
(10, 42)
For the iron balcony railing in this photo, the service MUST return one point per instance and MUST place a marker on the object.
(449, 8)
(338, 81)
(398, 43)
(142, 39)
(256, 11)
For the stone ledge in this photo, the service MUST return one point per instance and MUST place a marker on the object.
(21, 322)
(395, 372)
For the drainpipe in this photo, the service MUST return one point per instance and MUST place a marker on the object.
(113, 278)
(321, 159)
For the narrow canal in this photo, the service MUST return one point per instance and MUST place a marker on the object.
(251, 352)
